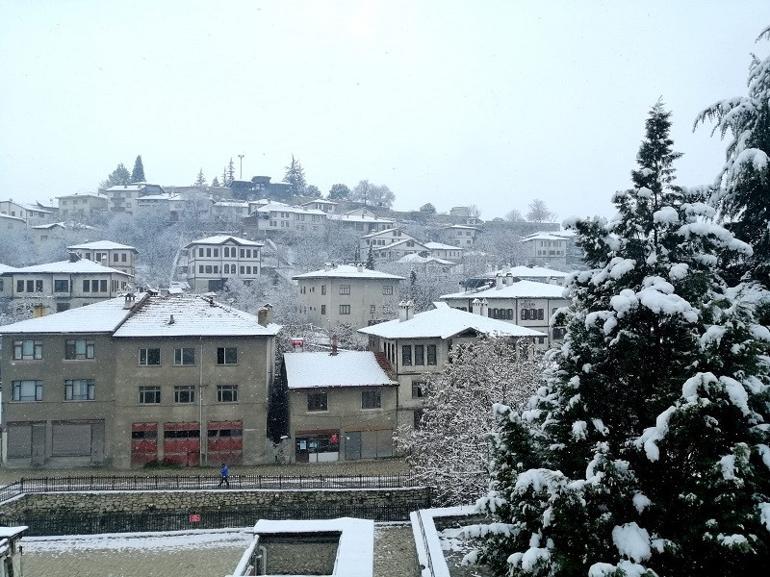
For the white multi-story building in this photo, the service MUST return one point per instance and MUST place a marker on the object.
(276, 216)
(461, 235)
(348, 294)
(11, 224)
(82, 207)
(445, 251)
(525, 303)
(112, 254)
(533, 273)
(362, 221)
(545, 249)
(123, 197)
(212, 261)
(29, 213)
(327, 206)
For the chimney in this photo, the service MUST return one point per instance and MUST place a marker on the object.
(359, 267)
(327, 266)
(484, 308)
(476, 307)
(403, 311)
(409, 309)
(498, 281)
(265, 315)
(334, 346)
(129, 301)
(171, 320)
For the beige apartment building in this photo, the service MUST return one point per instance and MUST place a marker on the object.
(461, 235)
(327, 206)
(59, 286)
(418, 345)
(30, 213)
(524, 303)
(85, 207)
(545, 249)
(210, 262)
(280, 217)
(362, 221)
(112, 254)
(136, 380)
(123, 197)
(342, 406)
(444, 251)
(349, 294)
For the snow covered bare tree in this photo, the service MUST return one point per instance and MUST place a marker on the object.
(450, 449)
(647, 452)
(538, 212)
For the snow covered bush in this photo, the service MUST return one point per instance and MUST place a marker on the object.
(450, 449)
(647, 451)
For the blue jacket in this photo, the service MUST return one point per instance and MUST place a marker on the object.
(224, 471)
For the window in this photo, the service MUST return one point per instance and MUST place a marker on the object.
(184, 393)
(323, 309)
(406, 355)
(540, 314)
(387, 290)
(30, 286)
(200, 269)
(323, 289)
(86, 286)
(123, 257)
(27, 350)
(418, 389)
(79, 390)
(372, 310)
(200, 252)
(27, 391)
(61, 286)
(316, 402)
(149, 357)
(344, 289)
(208, 252)
(432, 354)
(371, 399)
(184, 356)
(38, 286)
(559, 332)
(344, 309)
(115, 257)
(78, 349)
(419, 354)
(525, 314)
(19, 286)
(227, 356)
(216, 253)
(227, 393)
(149, 395)
(208, 269)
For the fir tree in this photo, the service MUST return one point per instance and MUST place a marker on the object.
(357, 255)
(230, 173)
(200, 180)
(312, 191)
(742, 189)
(295, 177)
(643, 453)
(118, 177)
(370, 259)
(215, 182)
(137, 175)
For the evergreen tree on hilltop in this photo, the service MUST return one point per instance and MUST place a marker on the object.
(295, 177)
(230, 173)
(370, 259)
(339, 191)
(200, 180)
(643, 453)
(742, 190)
(215, 182)
(137, 175)
(118, 177)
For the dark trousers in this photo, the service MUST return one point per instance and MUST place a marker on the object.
(225, 480)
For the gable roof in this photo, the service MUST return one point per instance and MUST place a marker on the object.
(320, 201)
(543, 236)
(441, 246)
(519, 289)
(386, 231)
(9, 217)
(445, 322)
(102, 245)
(345, 369)
(222, 239)
(83, 266)
(532, 272)
(415, 258)
(348, 271)
(417, 244)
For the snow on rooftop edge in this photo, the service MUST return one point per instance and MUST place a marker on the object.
(345, 369)
(347, 271)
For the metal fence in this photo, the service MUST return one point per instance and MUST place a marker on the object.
(85, 523)
(202, 482)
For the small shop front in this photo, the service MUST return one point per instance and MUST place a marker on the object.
(317, 446)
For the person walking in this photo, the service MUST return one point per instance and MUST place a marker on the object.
(224, 475)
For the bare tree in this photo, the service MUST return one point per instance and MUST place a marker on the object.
(538, 212)
(449, 450)
(515, 216)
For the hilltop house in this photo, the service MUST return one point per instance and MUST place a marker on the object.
(113, 254)
(212, 261)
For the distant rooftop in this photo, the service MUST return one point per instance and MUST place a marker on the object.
(415, 258)
(532, 272)
(9, 217)
(101, 245)
(348, 271)
(441, 246)
(320, 201)
(222, 239)
(444, 322)
(345, 369)
(519, 289)
(69, 267)
(380, 232)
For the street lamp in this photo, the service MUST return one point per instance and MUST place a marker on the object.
(240, 157)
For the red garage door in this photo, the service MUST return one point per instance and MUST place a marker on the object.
(225, 442)
(181, 443)
(144, 443)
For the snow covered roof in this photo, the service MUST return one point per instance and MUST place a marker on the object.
(6, 268)
(320, 201)
(415, 258)
(345, 369)
(379, 232)
(280, 207)
(519, 289)
(543, 236)
(463, 227)
(82, 266)
(532, 272)
(102, 245)
(360, 218)
(64, 225)
(9, 217)
(82, 194)
(348, 271)
(101, 317)
(234, 203)
(417, 244)
(444, 323)
(222, 239)
(441, 246)
(191, 315)
(166, 196)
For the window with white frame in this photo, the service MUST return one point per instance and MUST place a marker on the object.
(79, 390)
(27, 391)
(27, 350)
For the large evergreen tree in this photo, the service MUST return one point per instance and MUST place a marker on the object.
(742, 190)
(118, 177)
(339, 191)
(137, 175)
(295, 177)
(200, 180)
(646, 453)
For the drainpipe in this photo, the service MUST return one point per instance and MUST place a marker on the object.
(202, 456)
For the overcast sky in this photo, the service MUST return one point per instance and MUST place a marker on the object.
(486, 102)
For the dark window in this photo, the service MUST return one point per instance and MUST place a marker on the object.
(371, 400)
(123, 257)
(540, 314)
(184, 356)
(27, 390)
(149, 357)
(323, 289)
(184, 394)
(431, 354)
(144, 434)
(27, 350)
(417, 418)
(61, 286)
(19, 286)
(102, 286)
(227, 393)
(316, 402)
(419, 354)
(79, 390)
(418, 389)
(227, 355)
(200, 269)
(86, 286)
(344, 309)
(184, 434)
(78, 349)
(323, 309)
(30, 286)
(149, 395)
(344, 289)
(406, 355)
(524, 314)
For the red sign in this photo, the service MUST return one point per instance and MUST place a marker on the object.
(195, 518)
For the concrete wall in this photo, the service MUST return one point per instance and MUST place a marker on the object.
(364, 294)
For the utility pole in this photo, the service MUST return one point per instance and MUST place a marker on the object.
(240, 157)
